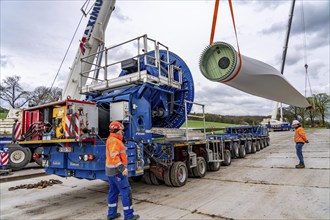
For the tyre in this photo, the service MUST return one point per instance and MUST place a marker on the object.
(227, 158)
(200, 170)
(146, 177)
(190, 172)
(254, 147)
(261, 144)
(265, 143)
(248, 147)
(39, 151)
(19, 157)
(235, 150)
(167, 176)
(154, 179)
(179, 174)
(214, 166)
(242, 152)
(268, 141)
(257, 145)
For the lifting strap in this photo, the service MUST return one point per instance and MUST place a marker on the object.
(214, 22)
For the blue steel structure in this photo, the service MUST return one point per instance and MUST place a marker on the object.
(152, 95)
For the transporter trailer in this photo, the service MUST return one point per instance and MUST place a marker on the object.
(140, 83)
(152, 97)
(238, 141)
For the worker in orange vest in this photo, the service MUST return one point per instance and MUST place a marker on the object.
(300, 139)
(116, 170)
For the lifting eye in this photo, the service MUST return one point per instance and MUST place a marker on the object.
(224, 62)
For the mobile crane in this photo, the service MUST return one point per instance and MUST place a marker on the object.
(91, 42)
(152, 97)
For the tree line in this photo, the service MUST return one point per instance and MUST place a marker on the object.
(312, 117)
(13, 93)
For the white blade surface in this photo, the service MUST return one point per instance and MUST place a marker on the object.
(261, 79)
(220, 62)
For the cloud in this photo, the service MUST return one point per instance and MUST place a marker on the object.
(292, 58)
(312, 19)
(222, 99)
(3, 61)
(120, 15)
(261, 5)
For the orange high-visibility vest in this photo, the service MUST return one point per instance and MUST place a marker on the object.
(115, 154)
(300, 135)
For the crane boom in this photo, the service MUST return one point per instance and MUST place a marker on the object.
(92, 40)
(285, 49)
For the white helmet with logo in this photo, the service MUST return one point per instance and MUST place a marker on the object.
(295, 122)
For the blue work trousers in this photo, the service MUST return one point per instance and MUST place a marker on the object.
(299, 147)
(119, 184)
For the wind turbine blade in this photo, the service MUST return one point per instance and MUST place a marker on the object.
(221, 63)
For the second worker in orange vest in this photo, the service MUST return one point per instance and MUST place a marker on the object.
(116, 170)
(300, 139)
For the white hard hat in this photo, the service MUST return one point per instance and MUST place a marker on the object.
(295, 122)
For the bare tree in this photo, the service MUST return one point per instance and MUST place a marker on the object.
(292, 112)
(55, 94)
(12, 92)
(42, 95)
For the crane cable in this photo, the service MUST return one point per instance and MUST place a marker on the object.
(73, 37)
(214, 23)
(305, 57)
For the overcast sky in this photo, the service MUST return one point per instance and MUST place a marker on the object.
(36, 34)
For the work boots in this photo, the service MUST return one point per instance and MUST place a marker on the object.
(300, 166)
(112, 218)
(134, 217)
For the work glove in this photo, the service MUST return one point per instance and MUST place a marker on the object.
(306, 141)
(125, 172)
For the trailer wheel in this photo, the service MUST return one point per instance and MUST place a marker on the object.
(248, 147)
(257, 145)
(200, 169)
(39, 151)
(235, 150)
(154, 179)
(242, 152)
(19, 157)
(267, 141)
(253, 147)
(146, 177)
(214, 166)
(179, 174)
(167, 177)
(227, 158)
(261, 144)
